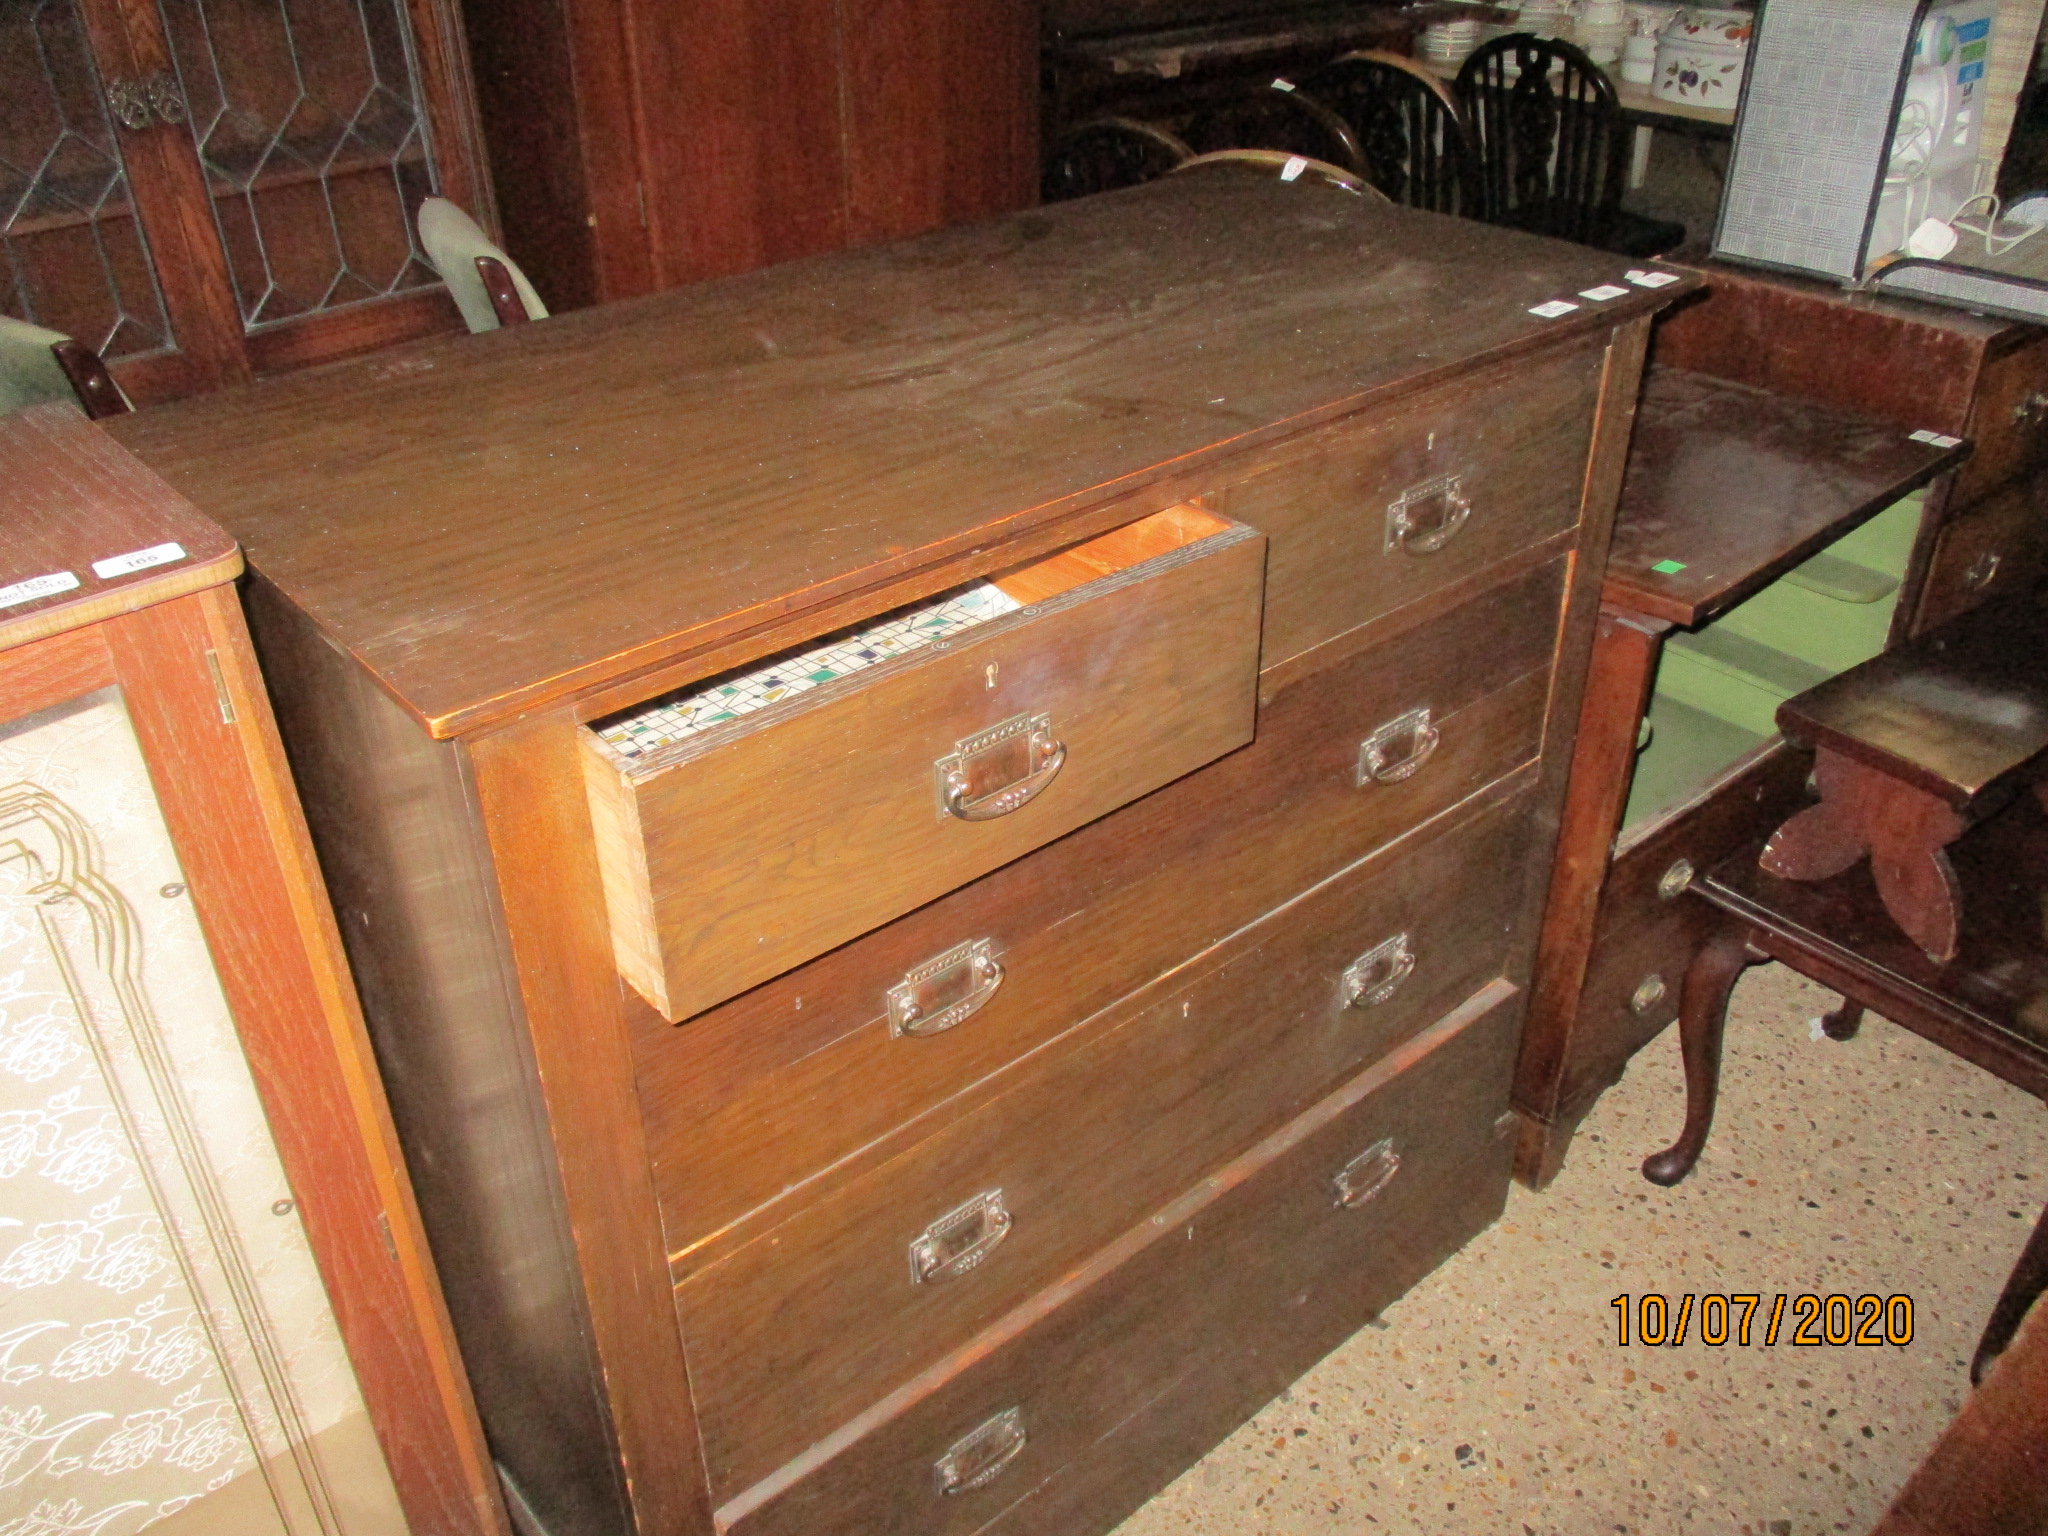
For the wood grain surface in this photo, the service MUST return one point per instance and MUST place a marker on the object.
(1737, 485)
(803, 825)
(1515, 438)
(74, 497)
(1951, 712)
(803, 1326)
(1254, 1272)
(733, 1098)
(768, 443)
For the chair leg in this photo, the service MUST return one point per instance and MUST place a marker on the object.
(1702, 1017)
(1843, 1022)
(2028, 1279)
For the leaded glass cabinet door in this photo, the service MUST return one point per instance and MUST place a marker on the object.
(313, 128)
(90, 241)
(204, 189)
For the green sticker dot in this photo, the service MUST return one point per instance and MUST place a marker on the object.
(1669, 567)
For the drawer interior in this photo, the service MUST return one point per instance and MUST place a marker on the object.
(751, 821)
(645, 737)
(1719, 687)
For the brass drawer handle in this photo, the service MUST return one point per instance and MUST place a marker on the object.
(1359, 1180)
(1427, 516)
(993, 772)
(1397, 749)
(1377, 974)
(977, 1458)
(2029, 410)
(959, 1240)
(1983, 570)
(934, 996)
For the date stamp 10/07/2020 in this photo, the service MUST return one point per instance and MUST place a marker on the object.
(1807, 1320)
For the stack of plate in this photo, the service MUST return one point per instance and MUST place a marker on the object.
(1547, 18)
(1448, 42)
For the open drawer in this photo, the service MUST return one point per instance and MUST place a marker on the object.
(755, 820)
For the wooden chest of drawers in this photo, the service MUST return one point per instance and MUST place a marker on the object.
(941, 844)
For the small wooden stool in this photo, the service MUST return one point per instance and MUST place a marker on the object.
(1922, 753)
(1910, 750)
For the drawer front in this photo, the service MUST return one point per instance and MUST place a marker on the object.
(2008, 423)
(829, 816)
(1473, 471)
(1996, 548)
(801, 1327)
(1232, 1291)
(1647, 928)
(762, 1093)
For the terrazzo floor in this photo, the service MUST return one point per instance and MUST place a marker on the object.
(1494, 1398)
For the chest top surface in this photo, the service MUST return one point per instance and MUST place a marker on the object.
(491, 522)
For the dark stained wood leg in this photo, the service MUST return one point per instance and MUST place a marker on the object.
(501, 291)
(1904, 830)
(1843, 1022)
(2028, 1279)
(1618, 680)
(98, 395)
(1702, 1017)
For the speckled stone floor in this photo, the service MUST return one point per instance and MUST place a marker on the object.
(1494, 1398)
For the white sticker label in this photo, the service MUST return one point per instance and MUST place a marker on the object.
(1603, 293)
(1936, 439)
(1553, 309)
(137, 560)
(1644, 279)
(1294, 167)
(37, 586)
(1283, 84)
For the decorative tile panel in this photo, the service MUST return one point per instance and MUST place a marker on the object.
(676, 716)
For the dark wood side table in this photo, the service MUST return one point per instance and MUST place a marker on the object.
(1864, 891)
(1729, 487)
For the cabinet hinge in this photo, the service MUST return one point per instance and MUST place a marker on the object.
(220, 688)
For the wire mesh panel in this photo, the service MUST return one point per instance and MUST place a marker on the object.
(308, 122)
(72, 255)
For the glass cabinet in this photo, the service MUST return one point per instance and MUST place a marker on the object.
(202, 190)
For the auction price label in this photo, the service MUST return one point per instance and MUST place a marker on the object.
(1808, 1321)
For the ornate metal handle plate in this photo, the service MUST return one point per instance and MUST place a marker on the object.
(138, 103)
(2029, 410)
(1377, 974)
(959, 1240)
(165, 99)
(977, 1458)
(1397, 748)
(1982, 570)
(993, 772)
(128, 100)
(934, 996)
(1359, 1180)
(1427, 516)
